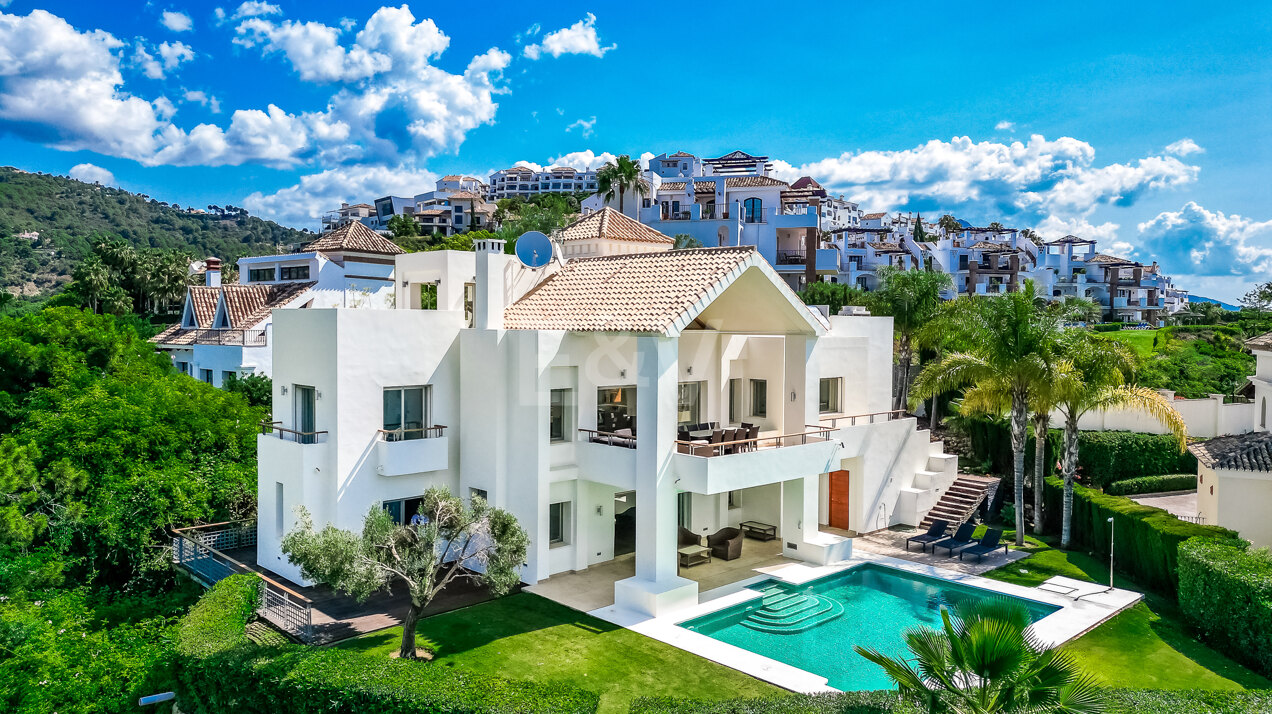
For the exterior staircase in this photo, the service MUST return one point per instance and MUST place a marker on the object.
(787, 612)
(960, 500)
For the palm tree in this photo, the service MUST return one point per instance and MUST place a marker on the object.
(988, 662)
(995, 226)
(950, 225)
(92, 279)
(1009, 345)
(619, 177)
(912, 298)
(1096, 380)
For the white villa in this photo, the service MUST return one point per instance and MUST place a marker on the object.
(225, 329)
(614, 400)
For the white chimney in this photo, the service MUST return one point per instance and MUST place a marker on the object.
(212, 275)
(488, 312)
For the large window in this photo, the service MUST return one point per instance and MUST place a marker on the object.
(295, 272)
(689, 409)
(828, 395)
(260, 275)
(405, 412)
(735, 401)
(428, 296)
(559, 408)
(558, 523)
(759, 398)
(205, 375)
(753, 210)
(306, 413)
(616, 409)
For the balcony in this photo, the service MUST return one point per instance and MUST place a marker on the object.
(722, 467)
(827, 260)
(412, 451)
(607, 457)
(288, 455)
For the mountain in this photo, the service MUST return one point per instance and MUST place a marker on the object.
(1220, 303)
(48, 223)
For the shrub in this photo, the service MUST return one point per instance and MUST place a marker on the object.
(1225, 591)
(1153, 484)
(1187, 701)
(1107, 327)
(220, 670)
(1121, 701)
(1147, 539)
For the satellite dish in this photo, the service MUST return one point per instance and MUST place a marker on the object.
(534, 249)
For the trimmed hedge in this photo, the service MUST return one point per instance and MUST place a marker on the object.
(1107, 327)
(1225, 592)
(1153, 484)
(1121, 701)
(1147, 539)
(220, 670)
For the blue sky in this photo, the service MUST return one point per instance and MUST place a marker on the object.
(1146, 127)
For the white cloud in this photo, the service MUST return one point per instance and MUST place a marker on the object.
(583, 125)
(582, 160)
(577, 39)
(176, 21)
(303, 203)
(1005, 125)
(89, 173)
(1200, 242)
(174, 53)
(201, 97)
(164, 108)
(170, 56)
(1184, 147)
(256, 9)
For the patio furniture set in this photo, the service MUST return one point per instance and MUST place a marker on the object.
(709, 439)
(725, 544)
(938, 536)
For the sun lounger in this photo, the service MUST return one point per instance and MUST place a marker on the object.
(987, 545)
(961, 537)
(935, 532)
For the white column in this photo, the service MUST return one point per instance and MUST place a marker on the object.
(801, 411)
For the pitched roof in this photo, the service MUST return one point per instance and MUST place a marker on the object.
(609, 224)
(872, 216)
(354, 237)
(1261, 342)
(466, 196)
(1111, 259)
(203, 301)
(887, 248)
(806, 182)
(708, 186)
(433, 212)
(1243, 452)
(246, 304)
(680, 154)
(635, 292)
(1070, 239)
(454, 177)
(987, 245)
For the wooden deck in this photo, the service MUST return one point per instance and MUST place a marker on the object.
(337, 617)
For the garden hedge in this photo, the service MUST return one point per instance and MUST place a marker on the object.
(1121, 701)
(1225, 592)
(1146, 541)
(1153, 484)
(220, 670)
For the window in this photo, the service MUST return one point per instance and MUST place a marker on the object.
(205, 375)
(403, 510)
(684, 509)
(1263, 413)
(558, 523)
(183, 367)
(470, 303)
(735, 500)
(675, 208)
(828, 395)
(476, 493)
(295, 272)
(428, 296)
(759, 398)
(735, 401)
(962, 262)
(689, 403)
(278, 509)
(616, 409)
(226, 376)
(260, 275)
(753, 210)
(459, 208)
(558, 415)
(405, 413)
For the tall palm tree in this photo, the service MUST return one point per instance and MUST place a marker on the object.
(912, 298)
(950, 225)
(995, 226)
(1096, 380)
(619, 177)
(986, 661)
(1009, 341)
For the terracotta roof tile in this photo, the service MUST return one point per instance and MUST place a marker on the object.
(1111, 259)
(466, 196)
(609, 224)
(203, 301)
(1244, 452)
(872, 216)
(248, 305)
(708, 186)
(635, 292)
(354, 237)
(990, 246)
(1261, 342)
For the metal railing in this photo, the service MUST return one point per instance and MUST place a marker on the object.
(854, 419)
(609, 438)
(791, 257)
(300, 437)
(739, 446)
(198, 551)
(1198, 519)
(255, 337)
(426, 432)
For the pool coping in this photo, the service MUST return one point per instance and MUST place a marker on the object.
(1077, 615)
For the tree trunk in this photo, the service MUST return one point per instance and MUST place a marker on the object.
(1070, 471)
(620, 199)
(407, 650)
(932, 424)
(1041, 422)
(903, 389)
(1018, 420)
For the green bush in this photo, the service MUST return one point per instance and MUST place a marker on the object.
(1147, 539)
(1153, 484)
(220, 670)
(1107, 327)
(1121, 701)
(1225, 591)
(1188, 701)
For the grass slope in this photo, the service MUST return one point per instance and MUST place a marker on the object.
(528, 637)
(1141, 341)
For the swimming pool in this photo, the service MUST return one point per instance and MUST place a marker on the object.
(814, 626)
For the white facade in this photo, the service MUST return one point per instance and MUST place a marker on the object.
(520, 407)
(524, 182)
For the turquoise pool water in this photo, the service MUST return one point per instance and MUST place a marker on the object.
(814, 626)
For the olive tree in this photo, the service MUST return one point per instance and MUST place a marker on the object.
(450, 541)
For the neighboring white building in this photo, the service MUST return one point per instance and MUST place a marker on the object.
(557, 393)
(524, 182)
(347, 213)
(226, 329)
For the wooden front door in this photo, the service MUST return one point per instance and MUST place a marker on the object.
(839, 499)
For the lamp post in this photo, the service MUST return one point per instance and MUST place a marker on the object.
(1110, 553)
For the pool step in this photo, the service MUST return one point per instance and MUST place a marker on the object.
(791, 613)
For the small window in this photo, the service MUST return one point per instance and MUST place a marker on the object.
(278, 509)
(753, 210)
(406, 413)
(962, 262)
(226, 376)
(828, 395)
(205, 375)
(260, 275)
(558, 523)
(735, 500)
(470, 303)
(558, 415)
(476, 493)
(735, 401)
(295, 272)
(428, 296)
(759, 398)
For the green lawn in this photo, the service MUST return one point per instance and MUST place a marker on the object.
(1141, 341)
(528, 637)
(1144, 647)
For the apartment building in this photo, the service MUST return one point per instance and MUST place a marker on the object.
(225, 329)
(347, 213)
(524, 182)
(590, 398)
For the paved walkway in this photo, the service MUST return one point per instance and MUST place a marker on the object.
(892, 543)
(1177, 503)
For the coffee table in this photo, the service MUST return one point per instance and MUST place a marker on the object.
(692, 555)
(758, 530)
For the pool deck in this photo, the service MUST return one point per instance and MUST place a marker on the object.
(1083, 606)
